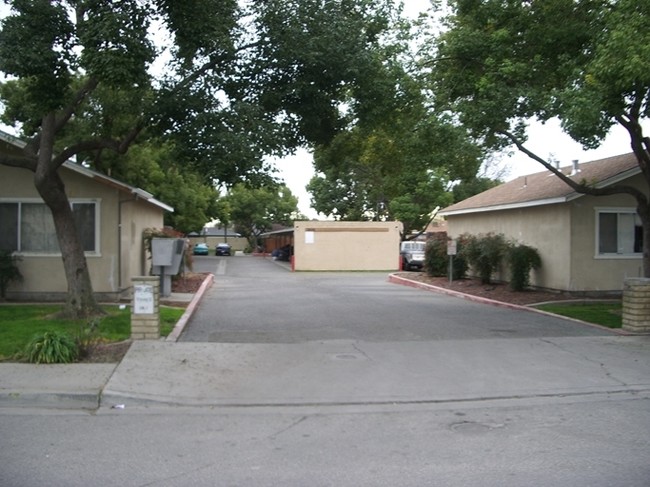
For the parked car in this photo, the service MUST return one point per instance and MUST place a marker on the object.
(283, 253)
(223, 249)
(200, 249)
(412, 255)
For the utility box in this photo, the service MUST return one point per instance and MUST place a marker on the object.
(167, 258)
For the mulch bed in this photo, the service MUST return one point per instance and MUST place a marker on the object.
(190, 282)
(496, 291)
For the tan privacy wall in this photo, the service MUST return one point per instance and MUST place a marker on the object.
(346, 246)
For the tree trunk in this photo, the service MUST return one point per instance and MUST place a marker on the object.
(80, 301)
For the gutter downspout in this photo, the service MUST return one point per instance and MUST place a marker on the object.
(119, 242)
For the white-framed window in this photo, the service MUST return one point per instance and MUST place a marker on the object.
(28, 227)
(618, 233)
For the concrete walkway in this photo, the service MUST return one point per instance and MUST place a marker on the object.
(336, 372)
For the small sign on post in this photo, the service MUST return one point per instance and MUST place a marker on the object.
(452, 249)
(145, 309)
(143, 299)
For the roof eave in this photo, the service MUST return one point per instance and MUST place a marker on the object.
(137, 192)
(509, 206)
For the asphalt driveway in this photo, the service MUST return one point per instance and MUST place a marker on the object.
(257, 300)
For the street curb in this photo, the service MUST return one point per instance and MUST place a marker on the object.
(50, 400)
(189, 311)
(441, 290)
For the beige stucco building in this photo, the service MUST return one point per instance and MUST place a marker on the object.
(346, 246)
(586, 243)
(111, 215)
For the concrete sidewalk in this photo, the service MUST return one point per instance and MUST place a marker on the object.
(73, 386)
(335, 372)
(353, 372)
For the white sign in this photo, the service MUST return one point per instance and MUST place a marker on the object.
(452, 247)
(143, 299)
(309, 237)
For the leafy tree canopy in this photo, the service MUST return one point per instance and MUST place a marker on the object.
(230, 83)
(586, 62)
(253, 211)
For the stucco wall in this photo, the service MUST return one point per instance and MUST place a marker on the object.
(590, 272)
(565, 236)
(137, 216)
(545, 228)
(236, 243)
(344, 246)
(43, 273)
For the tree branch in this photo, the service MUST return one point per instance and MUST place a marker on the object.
(24, 162)
(119, 146)
(80, 96)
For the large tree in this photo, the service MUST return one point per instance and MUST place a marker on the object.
(243, 80)
(502, 63)
(254, 211)
(396, 160)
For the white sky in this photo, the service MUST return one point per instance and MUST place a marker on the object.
(544, 140)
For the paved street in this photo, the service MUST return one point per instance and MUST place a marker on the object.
(344, 379)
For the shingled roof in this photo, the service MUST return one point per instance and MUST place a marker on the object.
(544, 188)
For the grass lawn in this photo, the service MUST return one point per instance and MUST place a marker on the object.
(19, 323)
(605, 314)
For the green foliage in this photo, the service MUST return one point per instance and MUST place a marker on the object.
(254, 210)
(155, 167)
(522, 259)
(20, 323)
(468, 188)
(9, 271)
(604, 314)
(436, 260)
(484, 253)
(234, 83)
(52, 347)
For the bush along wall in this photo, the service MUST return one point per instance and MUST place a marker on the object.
(521, 260)
(436, 260)
(484, 253)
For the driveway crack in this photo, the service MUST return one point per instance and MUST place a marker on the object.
(589, 359)
(287, 428)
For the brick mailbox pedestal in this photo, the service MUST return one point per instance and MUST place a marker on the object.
(145, 311)
(636, 305)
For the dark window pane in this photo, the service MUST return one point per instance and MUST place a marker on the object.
(84, 216)
(607, 230)
(8, 226)
(638, 237)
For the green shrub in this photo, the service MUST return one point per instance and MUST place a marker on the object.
(484, 253)
(435, 256)
(52, 347)
(522, 259)
(436, 260)
(9, 271)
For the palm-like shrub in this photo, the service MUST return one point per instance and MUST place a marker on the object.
(52, 347)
